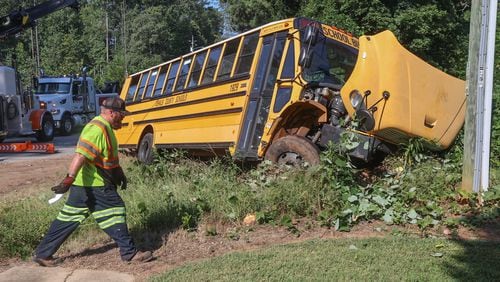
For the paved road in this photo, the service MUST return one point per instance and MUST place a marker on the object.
(64, 145)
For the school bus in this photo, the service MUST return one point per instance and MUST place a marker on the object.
(285, 90)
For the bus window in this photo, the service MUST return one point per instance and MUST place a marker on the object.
(186, 63)
(132, 87)
(289, 66)
(171, 77)
(248, 50)
(226, 64)
(213, 59)
(161, 80)
(198, 65)
(282, 98)
(149, 87)
(140, 91)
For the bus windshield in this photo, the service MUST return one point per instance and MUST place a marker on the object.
(52, 88)
(331, 62)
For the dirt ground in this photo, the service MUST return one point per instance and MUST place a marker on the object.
(25, 178)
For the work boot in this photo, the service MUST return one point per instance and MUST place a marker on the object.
(47, 262)
(142, 256)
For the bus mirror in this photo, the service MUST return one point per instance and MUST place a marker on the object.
(35, 82)
(311, 34)
(305, 58)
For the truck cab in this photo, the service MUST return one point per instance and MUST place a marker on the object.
(72, 100)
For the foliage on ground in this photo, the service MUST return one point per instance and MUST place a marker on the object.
(389, 259)
(176, 191)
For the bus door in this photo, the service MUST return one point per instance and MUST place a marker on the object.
(260, 98)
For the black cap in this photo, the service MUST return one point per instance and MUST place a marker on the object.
(115, 104)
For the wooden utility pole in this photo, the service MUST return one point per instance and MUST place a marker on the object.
(475, 174)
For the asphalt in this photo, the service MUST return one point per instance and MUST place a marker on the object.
(61, 274)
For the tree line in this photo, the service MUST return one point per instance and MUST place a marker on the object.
(115, 38)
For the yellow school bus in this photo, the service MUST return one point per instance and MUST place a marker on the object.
(285, 90)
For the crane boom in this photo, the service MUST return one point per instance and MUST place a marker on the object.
(17, 21)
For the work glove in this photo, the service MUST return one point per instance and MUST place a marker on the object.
(122, 179)
(63, 187)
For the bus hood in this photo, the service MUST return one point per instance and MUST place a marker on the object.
(406, 96)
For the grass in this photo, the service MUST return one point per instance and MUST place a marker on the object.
(390, 259)
(176, 192)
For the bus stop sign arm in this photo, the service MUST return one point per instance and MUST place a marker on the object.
(17, 21)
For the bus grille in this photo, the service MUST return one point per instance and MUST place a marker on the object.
(393, 135)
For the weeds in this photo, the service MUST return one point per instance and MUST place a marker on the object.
(177, 192)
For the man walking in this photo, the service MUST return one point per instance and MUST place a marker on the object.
(93, 177)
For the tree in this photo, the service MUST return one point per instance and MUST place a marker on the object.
(247, 14)
(436, 30)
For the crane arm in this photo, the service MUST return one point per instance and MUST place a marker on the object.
(17, 21)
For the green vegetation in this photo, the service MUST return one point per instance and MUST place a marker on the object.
(176, 192)
(391, 259)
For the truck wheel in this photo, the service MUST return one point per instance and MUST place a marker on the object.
(46, 133)
(66, 125)
(145, 152)
(293, 150)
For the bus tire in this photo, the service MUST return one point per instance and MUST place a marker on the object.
(46, 132)
(145, 151)
(293, 150)
(66, 125)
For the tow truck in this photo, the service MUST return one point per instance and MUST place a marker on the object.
(20, 112)
(73, 100)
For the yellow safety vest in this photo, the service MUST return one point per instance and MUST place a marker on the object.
(99, 146)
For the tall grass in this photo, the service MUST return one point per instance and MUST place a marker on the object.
(177, 192)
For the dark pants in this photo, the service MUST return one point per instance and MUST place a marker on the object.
(105, 205)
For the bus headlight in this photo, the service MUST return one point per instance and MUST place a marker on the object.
(43, 105)
(366, 120)
(356, 99)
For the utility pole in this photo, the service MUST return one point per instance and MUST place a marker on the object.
(192, 43)
(124, 38)
(107, 35)
(476, 162)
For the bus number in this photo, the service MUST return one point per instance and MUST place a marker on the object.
(233, 87)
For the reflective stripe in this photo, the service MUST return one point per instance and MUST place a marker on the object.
(73, 218)
(112, 221)
(108, 212)
(107, 165)
(104, 129)
(89, 147)
(74, 210)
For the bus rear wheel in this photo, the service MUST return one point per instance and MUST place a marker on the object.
(293, 150)
(145, 151)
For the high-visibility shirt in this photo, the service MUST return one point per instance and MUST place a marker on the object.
(99, 146)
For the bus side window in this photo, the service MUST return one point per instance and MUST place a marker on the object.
(289, 66)
(247, 53)
(132, 87)
(213, 58)
(140, 91)
(198, 65)
(181, 81)
(171, 77)
(149, 87)
(226, 65)
(161, 80)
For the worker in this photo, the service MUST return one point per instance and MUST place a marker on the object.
(92, 179)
